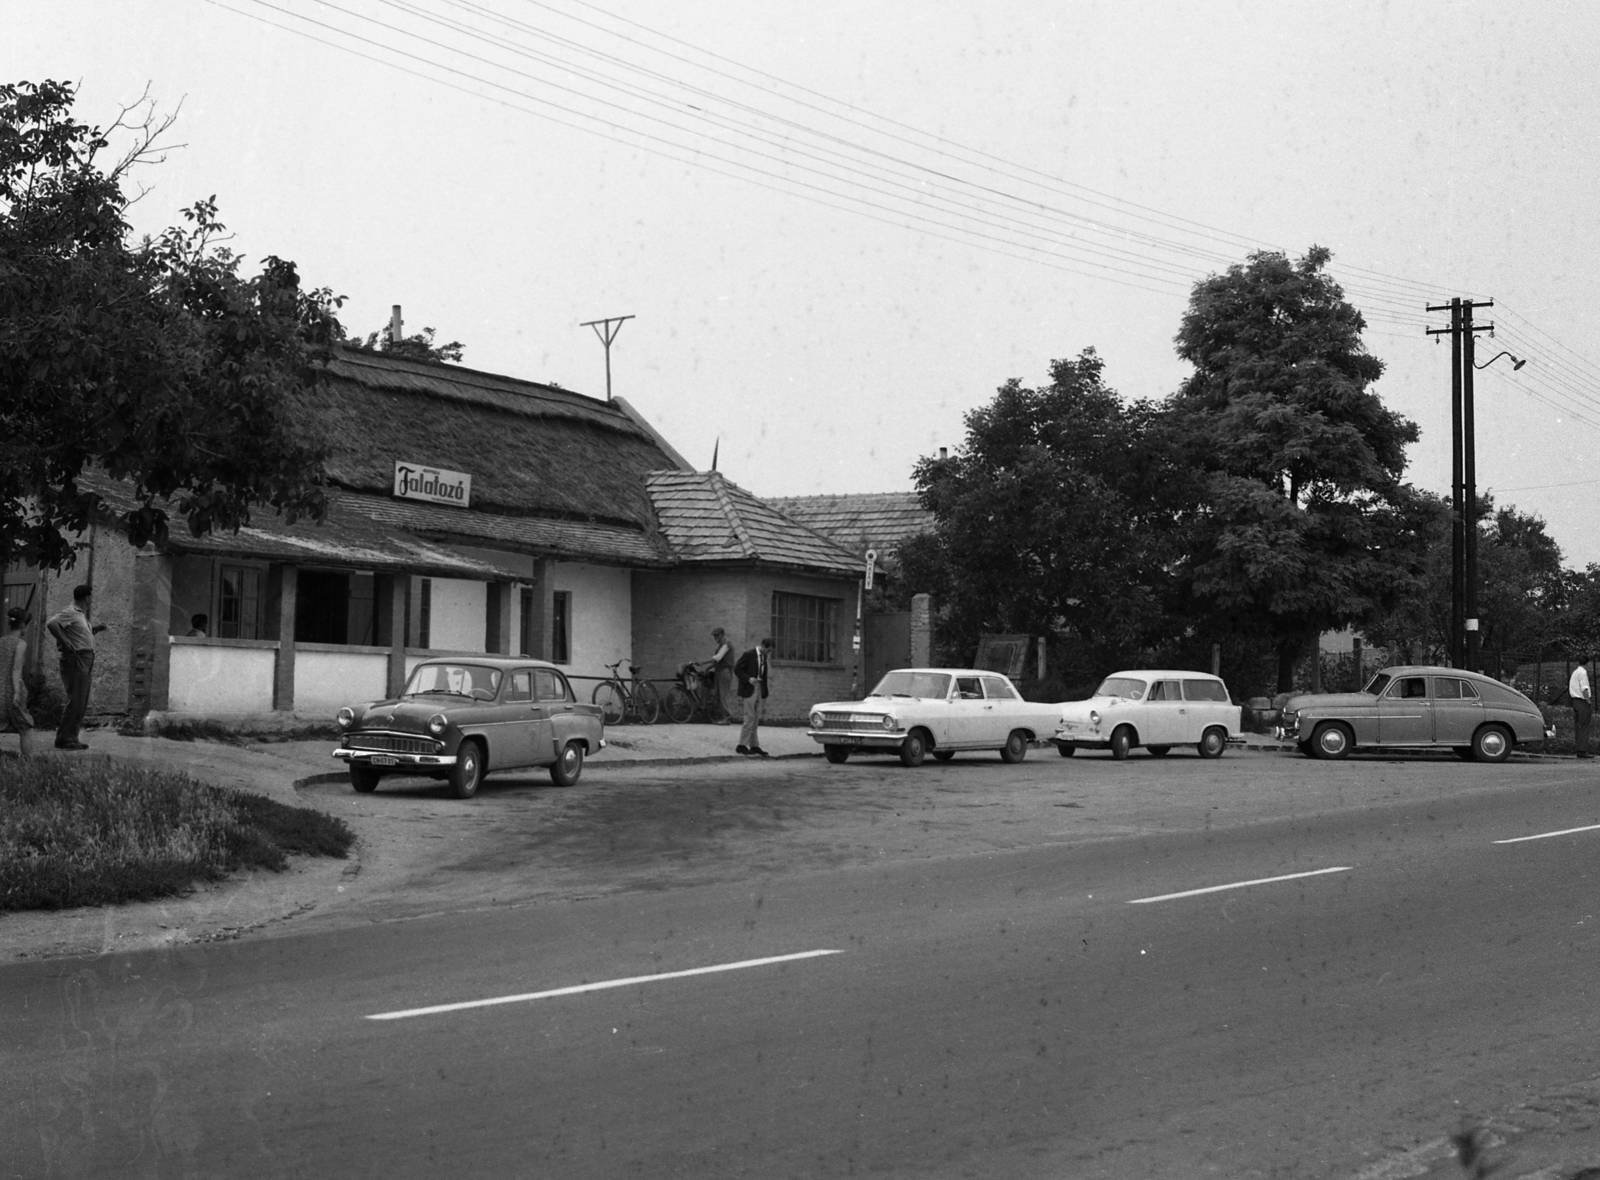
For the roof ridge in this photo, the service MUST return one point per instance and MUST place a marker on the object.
(719, 488)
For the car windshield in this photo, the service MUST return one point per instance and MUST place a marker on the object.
(1377, 684)
(913, 684)
(461, 680)
(1121, 686)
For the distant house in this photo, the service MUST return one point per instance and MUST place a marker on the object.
(881, 521)
(471, 512)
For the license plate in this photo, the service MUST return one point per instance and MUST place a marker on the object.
(850, 740)
(383, 760)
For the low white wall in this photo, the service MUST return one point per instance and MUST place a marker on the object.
(326, 677)
(217, 677)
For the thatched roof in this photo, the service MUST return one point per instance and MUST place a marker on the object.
(878, 520)
(532, 450)
(708, 519)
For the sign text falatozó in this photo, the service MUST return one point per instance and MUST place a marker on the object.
(413, 481)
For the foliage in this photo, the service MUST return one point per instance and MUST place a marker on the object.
(1048, 521)
(416, 347)
(156, 362)
(1298, 519)
(77, 831)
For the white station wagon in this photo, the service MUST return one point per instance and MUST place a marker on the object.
(1157, 710)
(914, 712)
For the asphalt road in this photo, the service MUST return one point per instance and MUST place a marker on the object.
(1047, 1009)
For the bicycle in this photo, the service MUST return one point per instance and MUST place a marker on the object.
(619, 698)
(695, 692)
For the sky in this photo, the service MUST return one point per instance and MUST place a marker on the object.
(839, 227)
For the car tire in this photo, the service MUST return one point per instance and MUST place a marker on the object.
(1121, 742)
(943, 755)
(1305, 748)
(913, 749)
(466, 776)
(364, 779)
(1492, 743)
(1066, 749)
(678, 704)
(1331, 740)
(838, 755)
(1212, 743)
(566, 769)
(1016, 747)
(1158, 751)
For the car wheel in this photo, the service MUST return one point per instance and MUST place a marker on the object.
(1066, 749)
(1492, 743)
(364, 779)
(1016, 747)
(1159, 751)
(679, 704)
(467, 774)
(944, 755)
(837, 755)
(1331, 739)
(1121, 742)
(564, 771)
(913, 748)
(1212, 743)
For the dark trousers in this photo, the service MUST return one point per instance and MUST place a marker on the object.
(77, 670)
(1582, 714)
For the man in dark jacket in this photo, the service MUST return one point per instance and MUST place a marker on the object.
(754, 671)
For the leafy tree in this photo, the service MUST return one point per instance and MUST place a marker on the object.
(156, 362)
(1299, 512)
(1048, 520)
(418, 346)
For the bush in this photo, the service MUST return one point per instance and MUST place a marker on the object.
(77, 832)
(46, 701)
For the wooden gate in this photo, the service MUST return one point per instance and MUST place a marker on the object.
(886, 644)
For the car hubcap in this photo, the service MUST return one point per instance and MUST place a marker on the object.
(1333, 740)
(1493, 744)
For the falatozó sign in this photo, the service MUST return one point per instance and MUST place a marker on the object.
(413, 481)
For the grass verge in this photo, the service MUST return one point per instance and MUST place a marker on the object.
(77, 832)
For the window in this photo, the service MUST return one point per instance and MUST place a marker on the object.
(550, 686)
(239, 608)
(967, 689)
(1165, 690)
(521, 687)
(1410, 688)
(1446, 688)
(998, 690)
(1204, 690)
(805, 628)
(561, 627)
(425, 613)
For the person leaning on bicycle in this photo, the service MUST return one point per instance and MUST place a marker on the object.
(718, 670)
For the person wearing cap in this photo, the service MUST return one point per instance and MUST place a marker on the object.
(1582, 709)
(14, 715)
(720, 668)
(74, 636)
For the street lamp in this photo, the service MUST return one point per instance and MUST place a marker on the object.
(1496, 357)
(1470, 492)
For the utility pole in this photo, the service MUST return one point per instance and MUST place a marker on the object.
(1463, 482)
(607, 331)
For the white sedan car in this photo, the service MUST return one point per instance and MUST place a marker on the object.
(914, 712)
(1156, 710)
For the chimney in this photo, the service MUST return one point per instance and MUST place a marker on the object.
(395, 334)
(944, 452)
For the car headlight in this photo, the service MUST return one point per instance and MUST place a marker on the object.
(346, 717)
(816, 719)
(889, 722)
(437, 724)
(1094, 716)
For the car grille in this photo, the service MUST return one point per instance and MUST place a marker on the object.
(860, 722)
(390, 744)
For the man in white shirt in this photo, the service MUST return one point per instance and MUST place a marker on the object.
(1582, 709)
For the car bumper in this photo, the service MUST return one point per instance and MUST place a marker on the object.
(386, 758)
(856, 740)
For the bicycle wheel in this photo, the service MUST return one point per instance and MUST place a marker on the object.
(647, 702)
(678, 704)
(609, 696)
(716, 711)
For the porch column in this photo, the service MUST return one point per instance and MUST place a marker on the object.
(149, 671)
(392, 597)
(283, 584)
(537, 640)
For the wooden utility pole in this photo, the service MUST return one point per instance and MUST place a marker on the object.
(607, 331)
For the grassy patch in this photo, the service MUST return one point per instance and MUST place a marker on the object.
(77, 832)
(190, 729)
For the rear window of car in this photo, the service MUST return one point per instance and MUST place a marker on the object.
(1204, 690)
(1449, 688)
(998, 690)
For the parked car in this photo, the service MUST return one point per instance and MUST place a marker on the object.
(1154, 709)
(914, 712)
(461, 717)
(1415, 707)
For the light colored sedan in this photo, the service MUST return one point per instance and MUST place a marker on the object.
(1154, 709)
(914, 712)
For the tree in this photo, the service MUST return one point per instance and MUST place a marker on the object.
(1298, 522)
(1048, 520)
(155, 362)
(418, 347)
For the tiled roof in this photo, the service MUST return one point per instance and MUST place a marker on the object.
(705, 518)
(877, 520)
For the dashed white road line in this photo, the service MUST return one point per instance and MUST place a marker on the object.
(578, 989)
(1547, 835)
(1239, 885)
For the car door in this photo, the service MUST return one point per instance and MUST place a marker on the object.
(966, 712)
(562, 717)
(1457, 710)
(1207, 703)
(1165, 718)
(511, 731)
(1405, 713)
(1000, 710)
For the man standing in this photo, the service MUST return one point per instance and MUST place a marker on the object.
(74, 638)
(720, 668)
(1582, 708)
(753, 670)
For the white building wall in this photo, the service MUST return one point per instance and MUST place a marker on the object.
(459, 610)
(213, 678)
(327, 678)
(602, 617)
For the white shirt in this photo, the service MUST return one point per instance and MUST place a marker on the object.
(1578, 686)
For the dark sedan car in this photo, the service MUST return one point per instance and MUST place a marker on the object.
(462, 716)
(1416, 707)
